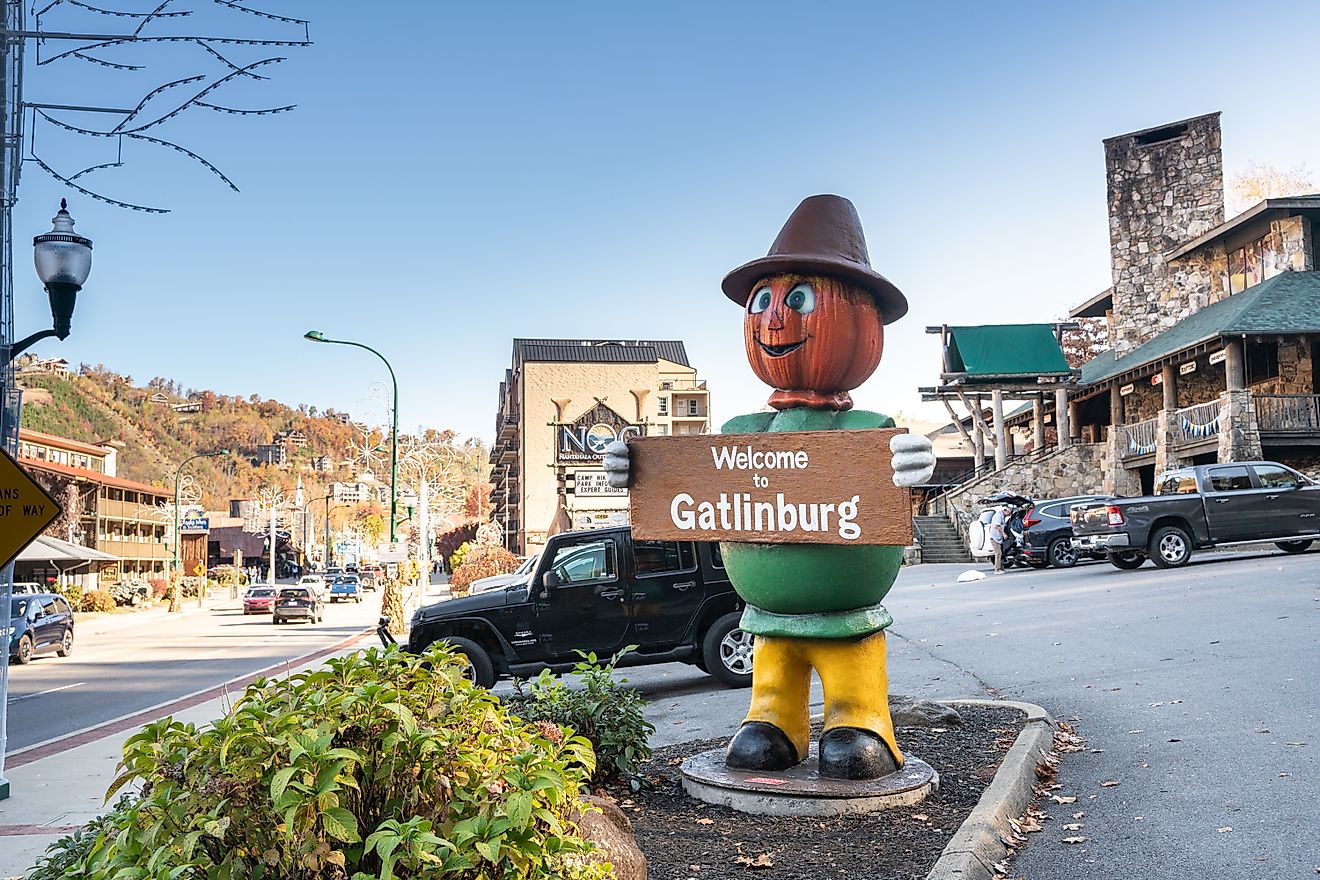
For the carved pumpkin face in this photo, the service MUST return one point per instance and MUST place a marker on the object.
(812, 338)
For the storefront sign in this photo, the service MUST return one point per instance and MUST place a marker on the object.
(1157, 379)
(808, 487)
(1218, 357)
(599, 519)
(194, 526)
(592, 484)
(586, 438)
(1189, 367)
(1127, 389)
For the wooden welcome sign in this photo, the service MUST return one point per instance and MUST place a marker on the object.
(801, 487)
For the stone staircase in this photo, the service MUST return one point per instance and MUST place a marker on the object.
(940, 541)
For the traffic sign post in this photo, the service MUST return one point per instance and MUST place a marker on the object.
(26, 510)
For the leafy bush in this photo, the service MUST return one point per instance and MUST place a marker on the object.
(480, 562)
(96, 600)
(159, 587)
(128, 593)
(378, 765)
(456, 558)
(604, 710)
(448, 542)
(191, 586)
(72, 592)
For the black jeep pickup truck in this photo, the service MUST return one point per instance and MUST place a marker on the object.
(599, 591)
(1250, 502)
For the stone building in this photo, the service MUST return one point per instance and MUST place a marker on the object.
(561, 402)
(1214, 328)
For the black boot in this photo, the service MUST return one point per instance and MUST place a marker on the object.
(853, 753)
(759, 745)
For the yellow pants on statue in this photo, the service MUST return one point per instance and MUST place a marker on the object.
(852, 673)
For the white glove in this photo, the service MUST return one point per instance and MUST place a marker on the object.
(618, 464)
(914, 459)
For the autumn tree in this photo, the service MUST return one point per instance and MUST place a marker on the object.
(1259, 181)
(1082, 345)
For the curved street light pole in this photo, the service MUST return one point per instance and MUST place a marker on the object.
(318, 336)
(175, 595)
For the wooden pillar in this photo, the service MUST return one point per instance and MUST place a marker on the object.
(1075, 419)
(1001, 434)
(1169, 381)
(1038, 424)
(1234, 371)
(1115, 407)
(978, 447)
(1061, 417)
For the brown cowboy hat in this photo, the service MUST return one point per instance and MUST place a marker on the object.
(822, 237)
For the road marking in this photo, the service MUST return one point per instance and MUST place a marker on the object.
(13, 700)
(100, 730)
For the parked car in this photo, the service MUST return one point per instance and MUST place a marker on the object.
(368, 579)
(297, 603)
(333, 571)
(481, 585)
(1047, 535)
(313, 582)
(1250, 502)
(27, 588)
(39, 622)
(259, 600)
(346, 587)
(351, 568)
(599, 591)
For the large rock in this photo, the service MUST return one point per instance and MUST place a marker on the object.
(611, 832)
(912, 712)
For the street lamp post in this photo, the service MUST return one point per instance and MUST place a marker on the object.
(63, 261)
(175, 594)
(318, 336)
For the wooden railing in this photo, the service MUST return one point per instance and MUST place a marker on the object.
(1287, 413)
(1137, 439)
(1196, 424)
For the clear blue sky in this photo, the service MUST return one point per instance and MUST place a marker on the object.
(457, 174)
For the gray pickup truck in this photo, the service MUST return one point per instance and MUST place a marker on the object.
(1249, 502)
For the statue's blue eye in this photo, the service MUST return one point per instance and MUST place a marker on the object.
(760, 301)
(801, 299)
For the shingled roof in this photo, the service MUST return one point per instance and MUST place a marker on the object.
(1287, 303)
(604, 351)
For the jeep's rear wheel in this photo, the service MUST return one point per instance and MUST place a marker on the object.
(480, 669)
(727, 651)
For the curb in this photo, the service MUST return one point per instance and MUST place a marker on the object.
(978, 845)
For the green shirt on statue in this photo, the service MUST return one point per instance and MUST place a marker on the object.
(820, 591)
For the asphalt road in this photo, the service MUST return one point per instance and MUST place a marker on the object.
(1195, 690)
(122, 664)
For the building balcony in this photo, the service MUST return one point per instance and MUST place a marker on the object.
(1197, 425)
(688, 415)
(693, 385)
(1288, 414)
(1138, 439)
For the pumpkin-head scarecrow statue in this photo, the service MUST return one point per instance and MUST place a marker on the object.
(813, 328)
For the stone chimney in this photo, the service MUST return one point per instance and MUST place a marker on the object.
(1166, 187)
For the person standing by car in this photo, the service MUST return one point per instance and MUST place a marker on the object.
(995, 532)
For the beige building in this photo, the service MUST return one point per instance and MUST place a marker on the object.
(561, 402)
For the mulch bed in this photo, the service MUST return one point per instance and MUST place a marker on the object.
(903, 842)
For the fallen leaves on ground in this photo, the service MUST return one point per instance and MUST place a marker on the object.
(1225, 829)
(704, 821)
(1110, 783)
(756, 863)
(1073, 826)
(1064, 798)
(1076, 839)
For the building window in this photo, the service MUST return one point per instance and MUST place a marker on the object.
(1251, 264)
(1262, 362)
(692, 407)
(663, 404)
(661, 430)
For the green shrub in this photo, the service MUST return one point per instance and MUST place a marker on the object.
(456, 558)
(71, 592)
(378, 765)
(605, 711)
(96, 600)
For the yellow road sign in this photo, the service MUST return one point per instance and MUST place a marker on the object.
(25, 509)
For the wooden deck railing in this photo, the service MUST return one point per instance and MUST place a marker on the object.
(1287, 413)
(1196, 424)
(1137, 439)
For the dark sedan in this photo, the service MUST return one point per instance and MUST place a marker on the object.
(38, 623)
(1047, 533)
(297, 603)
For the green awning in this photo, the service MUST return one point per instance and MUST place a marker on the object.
(1023, 352)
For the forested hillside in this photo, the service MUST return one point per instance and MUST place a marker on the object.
(153, 436)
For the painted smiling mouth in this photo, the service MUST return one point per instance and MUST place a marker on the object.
(781, 350)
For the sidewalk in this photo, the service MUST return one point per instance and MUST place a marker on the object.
(56, 787)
